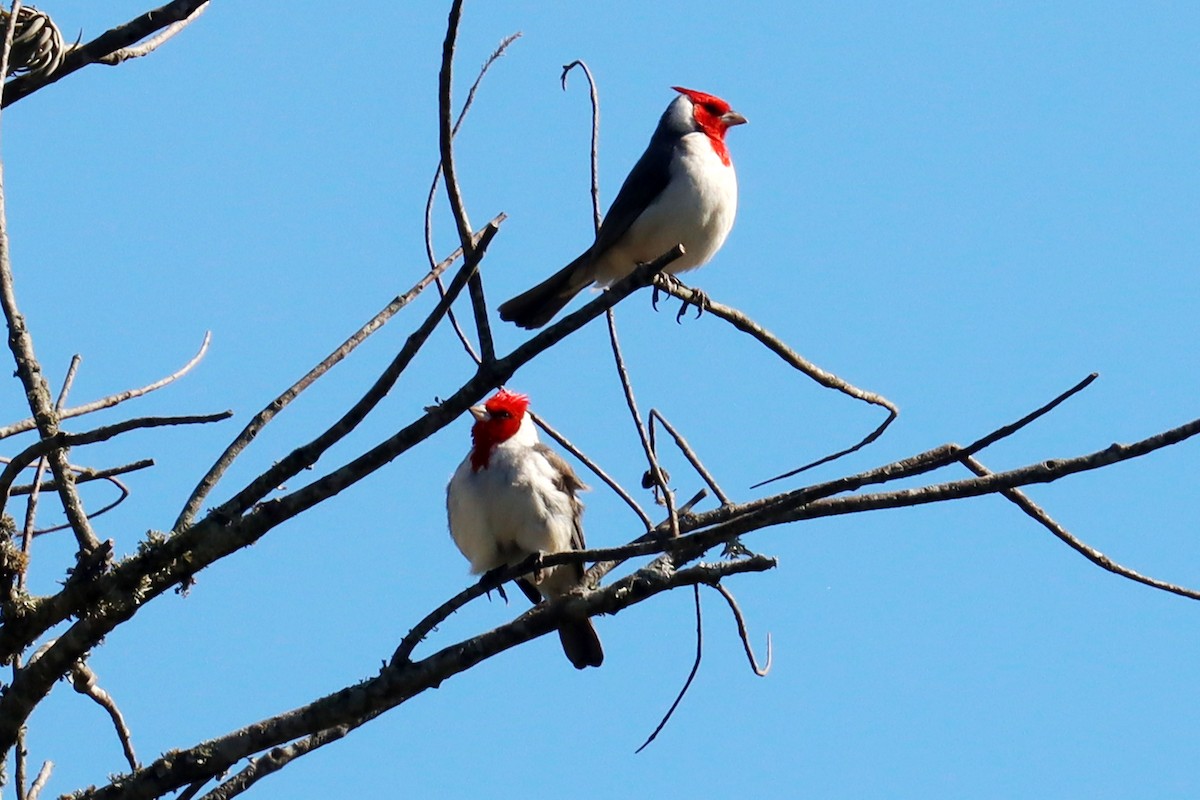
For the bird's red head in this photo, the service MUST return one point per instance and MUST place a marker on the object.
(497, 421)
(713, 117)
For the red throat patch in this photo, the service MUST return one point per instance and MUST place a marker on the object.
(505, 410)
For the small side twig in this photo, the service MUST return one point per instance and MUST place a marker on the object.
(744, 634)
(689, 454)
(776, 345)
(62, 440)
(656, 473)
(84, 681)
(279, 757)
(1093, 555)
(594, 467)
(39, 782)
(114, 399)
(691, 675)
(153, 43)
(82, 475)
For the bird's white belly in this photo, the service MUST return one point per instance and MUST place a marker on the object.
(696, 210)
(508, 511)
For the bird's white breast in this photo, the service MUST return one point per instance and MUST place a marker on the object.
(508, 510)
(696, 209)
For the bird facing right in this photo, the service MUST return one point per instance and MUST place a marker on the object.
(682, 190)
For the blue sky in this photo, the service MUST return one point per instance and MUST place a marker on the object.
(964, 207)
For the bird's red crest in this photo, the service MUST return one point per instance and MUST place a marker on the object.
(709, 101)
(505, 411)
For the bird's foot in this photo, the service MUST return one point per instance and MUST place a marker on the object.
(490, 581)
(534, 566)
(698, 299)
(663, 282)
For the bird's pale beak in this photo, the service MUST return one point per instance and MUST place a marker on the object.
(479, 413)
(731, 118)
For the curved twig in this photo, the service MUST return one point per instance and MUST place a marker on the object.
(458, 209)
(112, 400)
(121, 497)
(437, 176)
(595, 97)
(687, 684)
(84, 681)
(744, 634)
(82, 475)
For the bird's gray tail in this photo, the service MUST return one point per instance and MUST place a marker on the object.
(581, 643)
(537, 306)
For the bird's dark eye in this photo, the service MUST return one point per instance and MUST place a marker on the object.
(502, 415)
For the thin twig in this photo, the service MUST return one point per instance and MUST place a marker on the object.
(776, 345)
(62, 440)
(458, 209)
(83, 475)
(123, 493)
(690, 455)
(437, 176)
(150, 45)
(744, 634)
(656, 473)
(1093, 555)
(84, 681)
(247, 435)
(112, 400)
(594, 467)
(691, 675)
(280, 757)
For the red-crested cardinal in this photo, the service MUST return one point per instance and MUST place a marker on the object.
(681, 191)
(513, 497)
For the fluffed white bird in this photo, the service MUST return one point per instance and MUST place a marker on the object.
(682, 190)
(513, 497)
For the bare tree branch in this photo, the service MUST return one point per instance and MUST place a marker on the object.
(153, 43)
(260, 420)
(104, 45)
(62, 440)
(1093, 555)
(398, 683)
(39, 782)
(458, 208)
(437, 176)
(112, 400)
